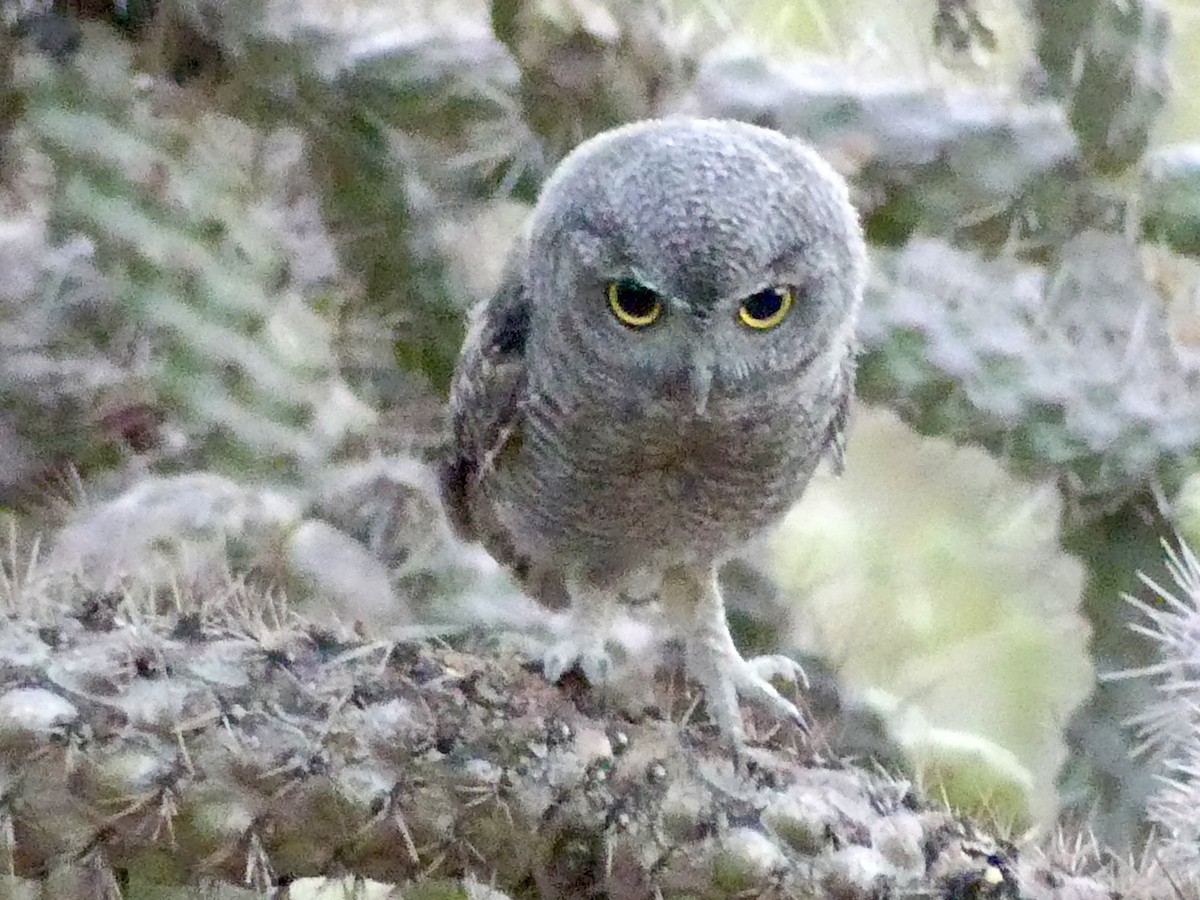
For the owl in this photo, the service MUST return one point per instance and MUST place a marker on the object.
(669, 355)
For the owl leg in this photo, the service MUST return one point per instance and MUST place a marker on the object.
(693, 604)
(589, 625)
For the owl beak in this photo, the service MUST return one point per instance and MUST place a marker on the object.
(700, 376)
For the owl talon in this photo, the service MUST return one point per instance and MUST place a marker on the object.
(726, 676)
(750, 681)
(779, 666)
(694, 606)
(784, 668)
(585, 634)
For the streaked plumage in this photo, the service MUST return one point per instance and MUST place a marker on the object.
(587, 453)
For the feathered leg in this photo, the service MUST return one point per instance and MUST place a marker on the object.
(589, 626)
(692, 603)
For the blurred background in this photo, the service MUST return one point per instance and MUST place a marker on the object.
(238, 240)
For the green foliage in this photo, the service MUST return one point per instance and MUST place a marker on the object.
(365, 201)
(10, 102)
(585, 68)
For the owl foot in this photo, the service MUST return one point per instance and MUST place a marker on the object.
(588, 628)
(589, 654)
(778, 666)
(693, 605)
(726, 676)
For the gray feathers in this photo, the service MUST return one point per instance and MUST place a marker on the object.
(574, 445)
(486, 394)
(578, 447)
(697, 209)
(668, 357)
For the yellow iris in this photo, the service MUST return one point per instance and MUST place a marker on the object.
(633, 305)
(766, 309)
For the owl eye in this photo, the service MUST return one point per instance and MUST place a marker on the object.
(633, 304)
(766, 309)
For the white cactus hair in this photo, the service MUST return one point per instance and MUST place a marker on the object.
(1173, 623)
(1169, 728)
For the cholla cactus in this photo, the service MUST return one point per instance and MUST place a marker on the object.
(1006, 256)
(195, 241)
(1170, 728)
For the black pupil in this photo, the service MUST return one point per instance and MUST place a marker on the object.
(635, 300)
(764, 304)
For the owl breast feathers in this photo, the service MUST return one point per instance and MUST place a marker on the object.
(668, 357)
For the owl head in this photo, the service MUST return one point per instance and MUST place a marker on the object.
(692, 257)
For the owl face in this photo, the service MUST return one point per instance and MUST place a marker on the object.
(690, 260)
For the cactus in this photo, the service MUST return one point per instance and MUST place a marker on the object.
(1025, 300)
(183, 243)
(227, 740)
(179, 298)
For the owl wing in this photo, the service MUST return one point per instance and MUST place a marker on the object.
(835, 437)
(486, 400)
